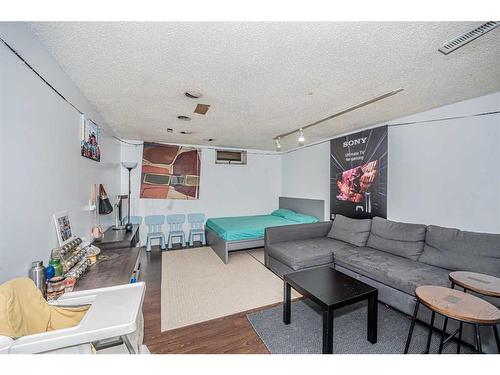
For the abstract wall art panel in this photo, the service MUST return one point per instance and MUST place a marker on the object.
(170, 172)
(358, 174)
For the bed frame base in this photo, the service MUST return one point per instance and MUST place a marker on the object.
(222, 248)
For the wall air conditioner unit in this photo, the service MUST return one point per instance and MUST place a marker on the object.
(230, 157)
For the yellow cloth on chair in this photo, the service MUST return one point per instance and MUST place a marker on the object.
(24, 311)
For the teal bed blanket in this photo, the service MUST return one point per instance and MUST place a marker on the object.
(252, 227)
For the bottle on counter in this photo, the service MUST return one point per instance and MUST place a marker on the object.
(58, 267)
(37, 274)
(50, 272)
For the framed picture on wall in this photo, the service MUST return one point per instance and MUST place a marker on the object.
(89, 140)
(63, 226)
(170, 172)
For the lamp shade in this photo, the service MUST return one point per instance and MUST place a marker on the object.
(129, 164)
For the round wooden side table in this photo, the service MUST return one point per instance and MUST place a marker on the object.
(456, 305)
(480, 283)
(477, 282)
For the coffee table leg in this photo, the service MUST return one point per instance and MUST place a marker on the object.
(328, 331)
(372, 318)
(287, 302)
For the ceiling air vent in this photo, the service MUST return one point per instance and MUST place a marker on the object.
(463, 39)
(202, 109)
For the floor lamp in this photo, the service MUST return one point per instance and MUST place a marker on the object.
(129, 165)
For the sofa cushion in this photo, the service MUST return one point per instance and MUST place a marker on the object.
(305, 253)
(398, 272)
(352, 231)
(403, 239)
(455, 250)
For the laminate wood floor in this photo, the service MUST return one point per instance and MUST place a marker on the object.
(230, 334)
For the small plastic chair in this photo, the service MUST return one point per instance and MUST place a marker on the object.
(155, 230)
(175, 223)
(196, 228)
(135, 220)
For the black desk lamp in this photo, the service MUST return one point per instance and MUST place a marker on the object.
(129, 165)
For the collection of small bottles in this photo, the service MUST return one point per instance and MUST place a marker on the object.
(79, 269)
(69, 256)
(68, 262)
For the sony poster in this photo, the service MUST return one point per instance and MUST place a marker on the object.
(358, 174)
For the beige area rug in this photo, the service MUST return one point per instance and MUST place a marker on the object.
(258, 254)
(197, 286)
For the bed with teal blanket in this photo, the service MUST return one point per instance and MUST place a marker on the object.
(251, 227)
(225, 234)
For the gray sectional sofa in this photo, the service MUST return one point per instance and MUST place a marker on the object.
(394, 257)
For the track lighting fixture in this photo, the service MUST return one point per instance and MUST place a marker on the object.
(278, 143)
(301, 137)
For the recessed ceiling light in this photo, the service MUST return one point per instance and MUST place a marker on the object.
(193, 94)
(184, 118)
(185, 132)
(170, 130)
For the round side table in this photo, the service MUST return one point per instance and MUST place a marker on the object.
(479, 283)
(456, 305)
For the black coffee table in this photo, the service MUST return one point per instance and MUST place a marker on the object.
(331, 290)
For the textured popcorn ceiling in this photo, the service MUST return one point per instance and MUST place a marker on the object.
(262, 79)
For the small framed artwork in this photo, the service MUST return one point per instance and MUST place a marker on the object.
(63, 226)
(89, 141)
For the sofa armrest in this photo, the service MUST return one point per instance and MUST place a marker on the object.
(296, 232)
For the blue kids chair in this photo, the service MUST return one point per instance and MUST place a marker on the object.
(155, 230)
(135, 220)
(196, 228)
(175, 223)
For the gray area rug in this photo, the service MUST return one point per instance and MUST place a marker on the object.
(304, 334)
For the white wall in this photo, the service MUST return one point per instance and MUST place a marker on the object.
(42, 170)
(443, 173)
(22, 39)
(306, 174)
(447, 173)
(225, 190)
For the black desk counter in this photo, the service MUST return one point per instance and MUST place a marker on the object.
(116, 263)
(113, 239)
(113, 267)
